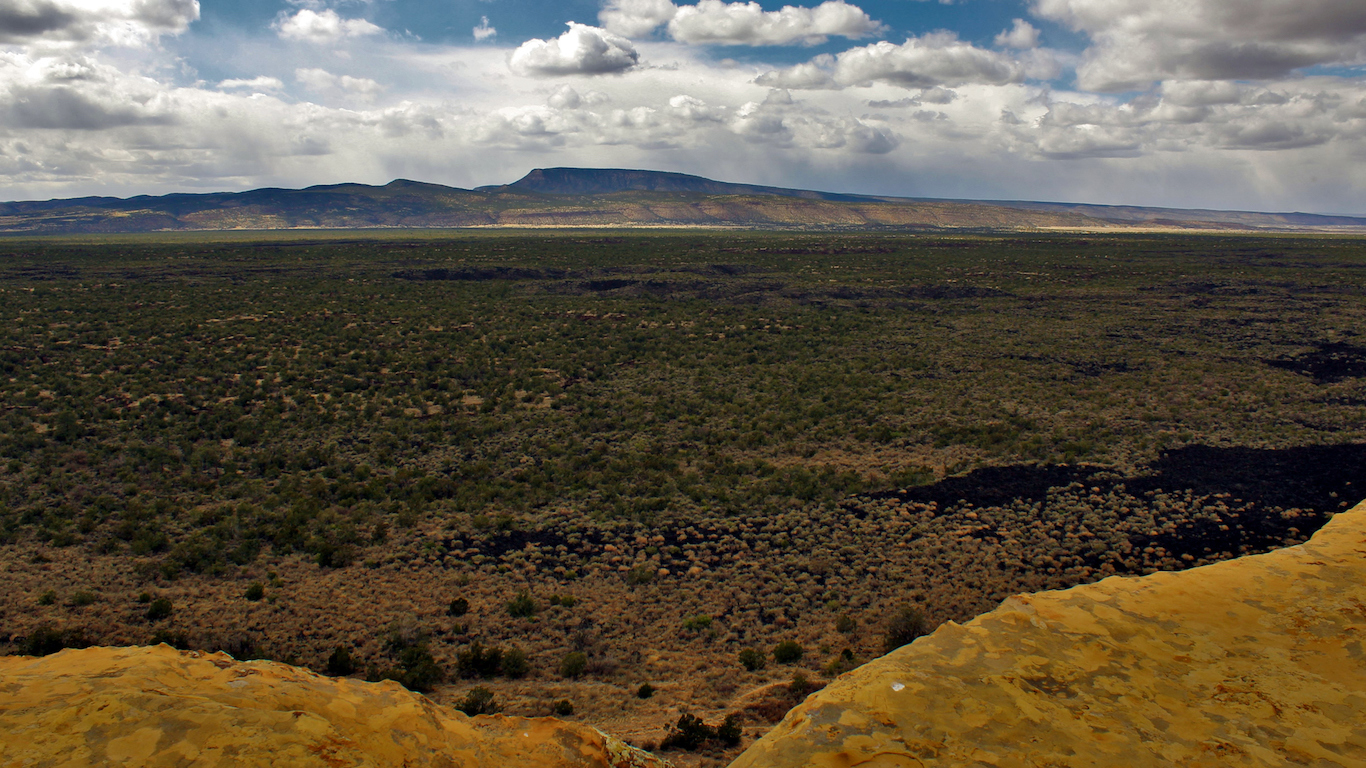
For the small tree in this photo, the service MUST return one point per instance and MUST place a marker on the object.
(159, 609)
(340, 664)
(458, 607)
(908, 624)
(788, 652)
(752, 660)
(479, 701)
(574, 665)
(522, 606)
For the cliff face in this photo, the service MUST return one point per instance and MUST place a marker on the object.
(162, 707)
(1251, 662)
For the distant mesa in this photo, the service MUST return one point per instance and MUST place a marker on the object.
(606, 198)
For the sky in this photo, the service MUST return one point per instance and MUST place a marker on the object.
(1228, 104)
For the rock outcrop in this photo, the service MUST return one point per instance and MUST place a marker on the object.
(1259, 661)
(161, 707)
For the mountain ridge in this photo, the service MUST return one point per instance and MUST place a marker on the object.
(603, 197)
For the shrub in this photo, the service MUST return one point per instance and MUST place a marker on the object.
(640, 574)
(788, 652)
(256, 591)
(159, 609)
(522, 606)
(690, 732)
(845, 623)
(459, 607)
(697, 623)
(752, 660)
(82, 599)
(799, 685)
(47, 598)
(574, 664)
(477, 661)
(417, 670)
(339, 664)
(563, 708)
(479, 701)
(908, 624)
(645, 691)
(515, 664)
(729, 731)
(45, 640)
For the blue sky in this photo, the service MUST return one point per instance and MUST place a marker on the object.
(1250, 104)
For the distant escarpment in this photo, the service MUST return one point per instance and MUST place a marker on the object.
(162, 707)
(1250, 662)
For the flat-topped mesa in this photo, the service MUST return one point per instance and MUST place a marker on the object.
(1258, 661)
(162, 707)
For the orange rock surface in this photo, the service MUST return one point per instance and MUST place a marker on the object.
(162, 707)
(1259, 661)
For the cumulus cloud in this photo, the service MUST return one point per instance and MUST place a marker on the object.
(1137, 42)
(741, 23)
(121, 22)
(782, 121)
(484, 31)
(323, 81)
(636, 18)
(323, 27)
(1021, 35)
(583, 50)
(937, 59)
(262, 83)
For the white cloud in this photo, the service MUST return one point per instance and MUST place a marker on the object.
(1021, 35)
(717, 22)
(484, 31)
(323, 81)
(323, 27)
(256, 83)
(936, 59)
(1137, 42)
(739, 23)
(583, 50)
(636, 18)
(120, 22)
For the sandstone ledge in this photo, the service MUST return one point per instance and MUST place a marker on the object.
(1257, 661)
(162, 707)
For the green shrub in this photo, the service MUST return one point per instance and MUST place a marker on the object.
(515, 664)
(799, 685)
(522, 606)
(689, 733)
(729, 731)
(47, 598)
(45, 640)
(340, 664)
(697, 623)
(904, 627)
(159, 609)
(477, 661)
(573, 665)
(479, 701)
(845, 623)
(458, 607)
(640, 574)
(82, 599)
(645, 691)
(417, 669)
(752, 660)
(563, 708)
(788, 652)
(255, 591)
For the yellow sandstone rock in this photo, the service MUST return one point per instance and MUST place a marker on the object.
(162, 707)
(1259, 661)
